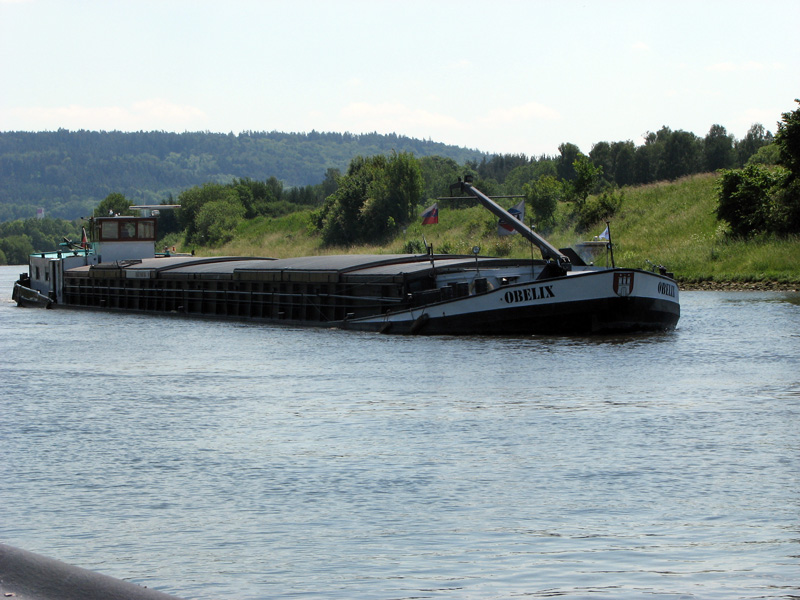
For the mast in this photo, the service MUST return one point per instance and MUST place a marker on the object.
(547, 249)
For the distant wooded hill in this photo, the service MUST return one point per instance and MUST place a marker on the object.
(68, 173)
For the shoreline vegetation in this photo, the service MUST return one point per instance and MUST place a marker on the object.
(671, 223)
(667, 223)
(738, 286)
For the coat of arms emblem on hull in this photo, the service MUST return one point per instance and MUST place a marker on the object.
(623, 284)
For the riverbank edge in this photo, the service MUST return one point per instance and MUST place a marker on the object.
(739, 286)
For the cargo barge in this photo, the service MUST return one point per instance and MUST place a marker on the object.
(401, 293)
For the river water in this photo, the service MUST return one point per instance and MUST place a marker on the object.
(214, 459)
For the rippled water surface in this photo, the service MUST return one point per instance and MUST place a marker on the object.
(222, 460)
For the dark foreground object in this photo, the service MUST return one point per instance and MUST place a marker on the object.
(28, 576)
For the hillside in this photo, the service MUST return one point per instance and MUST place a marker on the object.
(69, 172)
(669, 223)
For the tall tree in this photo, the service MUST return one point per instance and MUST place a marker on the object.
(648, 156)
(542, 195)
(788, 141)
(439, 172)
(113, 204)
(602, 155)
(587, 175)
(718, 149)
(377, 195)
(624, 162)
(519, 176)
(331, 181)
(682, 155)
(565, 164)
(192, 201)
(755, 138)
(406, 185)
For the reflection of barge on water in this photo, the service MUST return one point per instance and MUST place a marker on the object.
(425, 294)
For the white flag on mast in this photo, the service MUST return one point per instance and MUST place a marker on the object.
(518, 211)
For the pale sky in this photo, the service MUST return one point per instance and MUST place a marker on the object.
(498, 76)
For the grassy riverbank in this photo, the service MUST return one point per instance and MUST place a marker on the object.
(669, 223)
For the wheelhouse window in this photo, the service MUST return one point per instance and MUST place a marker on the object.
(146, 230)
(117, 228)
(109, 230)
(127, 230)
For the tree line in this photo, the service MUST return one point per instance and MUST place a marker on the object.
(21, 238)
(380, 194)
(69, 172)
(664, 155)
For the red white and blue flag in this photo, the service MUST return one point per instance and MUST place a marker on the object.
(431, 215)
(518, 211)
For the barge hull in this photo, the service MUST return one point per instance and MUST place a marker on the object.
(607, 315)
(588, 302)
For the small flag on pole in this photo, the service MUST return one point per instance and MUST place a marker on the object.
(605, 235)
(431, 215)
(84, 239)
(518, 211)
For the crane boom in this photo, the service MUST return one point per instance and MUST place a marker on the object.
(547, 249)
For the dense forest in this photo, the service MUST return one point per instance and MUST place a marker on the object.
(69, 172)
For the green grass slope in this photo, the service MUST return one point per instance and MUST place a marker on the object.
(669, 223)
(674, 223)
